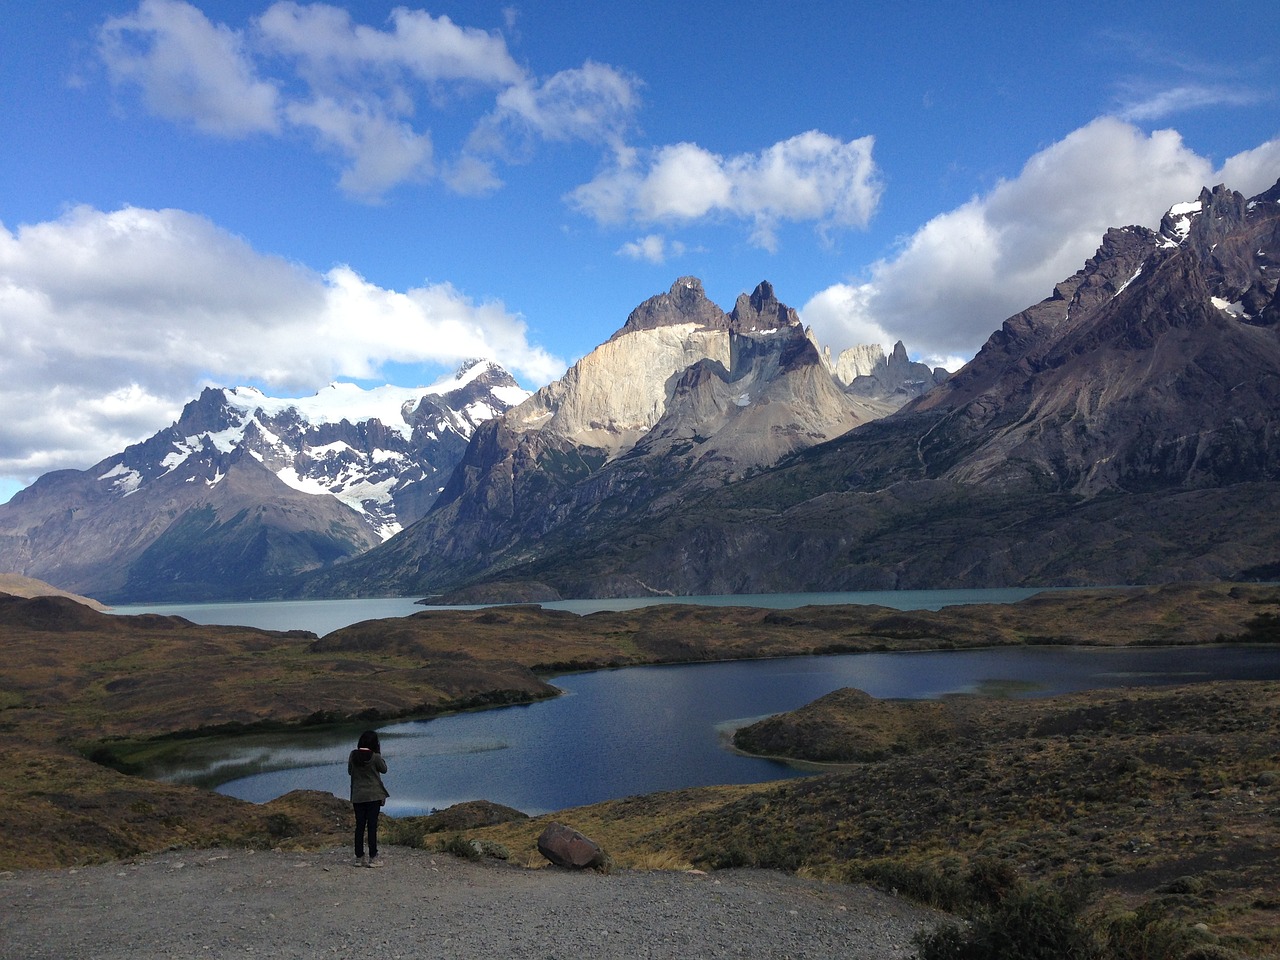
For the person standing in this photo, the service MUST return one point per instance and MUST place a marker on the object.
(365, 766)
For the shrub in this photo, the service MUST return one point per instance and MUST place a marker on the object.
(472, 849)
(1145, 934)
(1013, 920)
(1029, 922)
(280, 826)
(460, 846)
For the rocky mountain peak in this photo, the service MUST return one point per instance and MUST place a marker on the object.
(761, 311)
(853, 362)
(686, 302)
(865, 371)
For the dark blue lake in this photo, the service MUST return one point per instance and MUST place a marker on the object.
(644, 729)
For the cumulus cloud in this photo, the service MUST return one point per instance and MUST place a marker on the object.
(333, 50)
(594, 103)
(812, 177)
(113, 320)
(361, 93)
(189, 69)
(958, 277)
(368, 96)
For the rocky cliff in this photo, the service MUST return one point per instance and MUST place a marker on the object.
(682, 397)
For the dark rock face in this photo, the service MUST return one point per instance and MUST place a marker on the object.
(685, 302)
(760, 311)
(566, 847)
(1144, 371)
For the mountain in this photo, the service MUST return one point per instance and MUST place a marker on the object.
(1124, 429)
(683, 397)
(245, 488)
(894, 379)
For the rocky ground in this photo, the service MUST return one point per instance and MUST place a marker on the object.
(219, 903)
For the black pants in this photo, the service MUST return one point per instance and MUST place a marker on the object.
(367, 820)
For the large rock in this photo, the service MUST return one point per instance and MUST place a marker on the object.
(566, 847)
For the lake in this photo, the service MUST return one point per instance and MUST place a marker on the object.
(324, 616)
(637, 730)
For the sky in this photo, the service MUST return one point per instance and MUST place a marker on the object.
(291, 194)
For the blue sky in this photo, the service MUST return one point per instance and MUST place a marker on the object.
(287, 194)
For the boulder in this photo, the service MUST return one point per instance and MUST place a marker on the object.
(566, 847)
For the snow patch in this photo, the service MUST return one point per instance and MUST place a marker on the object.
(311, 485)
(329, 449)
(126, 479)
(1181, 215)
(1124, 286)
(1235, 309)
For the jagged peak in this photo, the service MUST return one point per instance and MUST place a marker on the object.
(761, 311)
(1269, 196)
(685, 302)
(1214, 210)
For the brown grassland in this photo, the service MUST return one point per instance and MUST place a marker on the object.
(1168, 795)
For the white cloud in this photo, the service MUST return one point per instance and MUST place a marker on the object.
(112, 320)
(653, 248)
(382, 151)
(812, 177)
(1253, 171)
(594, 103)
(841, 317)
(958, 277)
(189, 69)
(362, 93)
(1161, 103)
(333, 49)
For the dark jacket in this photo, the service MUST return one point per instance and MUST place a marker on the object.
(364, 766)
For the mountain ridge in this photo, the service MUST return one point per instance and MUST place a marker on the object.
(681, 397)
(244, 488)
(1124, 429)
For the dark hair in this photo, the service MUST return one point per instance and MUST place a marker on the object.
(369, 741)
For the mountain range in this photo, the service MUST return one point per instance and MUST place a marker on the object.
(1124, 429)
(245, 488)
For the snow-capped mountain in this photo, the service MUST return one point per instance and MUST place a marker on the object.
(376, 450)
(246, 487)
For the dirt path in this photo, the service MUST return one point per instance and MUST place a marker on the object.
(234, 903)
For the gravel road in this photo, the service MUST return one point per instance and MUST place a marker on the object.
(237, 903)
